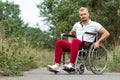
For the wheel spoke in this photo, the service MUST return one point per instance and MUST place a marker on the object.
(98, 59)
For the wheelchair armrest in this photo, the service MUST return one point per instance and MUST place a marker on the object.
(67, 35)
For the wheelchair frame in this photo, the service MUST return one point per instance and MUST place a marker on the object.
(88, 57)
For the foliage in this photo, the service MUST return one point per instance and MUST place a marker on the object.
(14, 60)
(38, 38)
(14, 56)
(16, 38)
(11, 23)
(62, 14)
(114, 64)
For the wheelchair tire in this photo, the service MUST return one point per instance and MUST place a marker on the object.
(81, 68)
(97, 59)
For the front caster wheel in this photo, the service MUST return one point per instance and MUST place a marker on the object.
(81, 68)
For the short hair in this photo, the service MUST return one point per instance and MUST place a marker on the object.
(83, 8)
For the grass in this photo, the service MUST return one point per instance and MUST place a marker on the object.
(44, 57)
(114, 59)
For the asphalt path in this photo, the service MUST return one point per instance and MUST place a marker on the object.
(43, 74)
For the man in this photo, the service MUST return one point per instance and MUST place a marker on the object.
(73, 45)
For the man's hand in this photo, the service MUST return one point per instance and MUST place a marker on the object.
(104, 35)
(72, 33)
(96, 45)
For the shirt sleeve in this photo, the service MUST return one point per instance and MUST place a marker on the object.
(74, 27)
(98, 26)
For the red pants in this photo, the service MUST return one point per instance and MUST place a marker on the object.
(62, 45)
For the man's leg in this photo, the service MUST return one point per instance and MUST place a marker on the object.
(61, 46)
(75, 46)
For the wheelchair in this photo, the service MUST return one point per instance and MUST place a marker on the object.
(94, 60)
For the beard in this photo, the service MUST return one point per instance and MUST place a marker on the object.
(84, 19)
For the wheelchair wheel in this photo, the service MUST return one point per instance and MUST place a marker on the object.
(97, 59)
(81, 68)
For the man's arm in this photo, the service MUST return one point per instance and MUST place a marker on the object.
(104, 35)
(70, 38)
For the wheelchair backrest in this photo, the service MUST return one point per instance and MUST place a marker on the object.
(87, 44)
(89, 37)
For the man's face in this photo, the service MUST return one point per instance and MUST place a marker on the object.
(84, 15)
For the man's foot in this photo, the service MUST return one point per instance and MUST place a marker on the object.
(53, 68)
(68, 67)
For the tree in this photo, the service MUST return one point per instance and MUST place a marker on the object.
(12, 26)
(14, 57)
(62, 14)
(38, 38)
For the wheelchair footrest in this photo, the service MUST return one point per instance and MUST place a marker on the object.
(69, 69)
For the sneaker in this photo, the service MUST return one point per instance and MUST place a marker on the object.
(53, 68)
(68, 68)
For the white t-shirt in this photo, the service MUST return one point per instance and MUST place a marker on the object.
(80, 30)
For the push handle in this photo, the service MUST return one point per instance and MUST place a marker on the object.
(67, 35)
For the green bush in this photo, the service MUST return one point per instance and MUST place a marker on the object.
(114, 64)
(15, 60)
